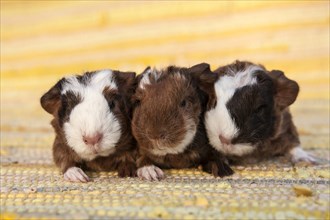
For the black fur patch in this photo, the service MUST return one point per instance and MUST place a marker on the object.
(252, 110)
(68, 101)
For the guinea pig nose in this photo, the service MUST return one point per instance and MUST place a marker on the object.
(92, 140)
(224, 140)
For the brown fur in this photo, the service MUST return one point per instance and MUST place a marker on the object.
(163, 107)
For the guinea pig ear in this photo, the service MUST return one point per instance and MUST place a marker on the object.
(199, 68)
(141, 75)
(202, 73)
(286, 90)
(205, 80)
(51, 100)
(125, 79)
(147, 70)
(147, 77)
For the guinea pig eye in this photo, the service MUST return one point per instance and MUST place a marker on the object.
(183, 104)
(260, 108)
(112, 104)
(137, 102)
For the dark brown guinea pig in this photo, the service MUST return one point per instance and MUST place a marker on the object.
(92, 115)
(250, 119)
(168, 121)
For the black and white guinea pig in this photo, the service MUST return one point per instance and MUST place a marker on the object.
(92, 115)
(168, 121)
(250, 118)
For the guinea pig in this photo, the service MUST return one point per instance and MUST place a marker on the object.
(168, 121)
(92, 114)
(250, 119)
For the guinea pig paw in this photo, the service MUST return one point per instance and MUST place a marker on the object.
(150, 173)
(218, 168)
(75, 174)
(299, 155)
(127, 170)
(225, 170)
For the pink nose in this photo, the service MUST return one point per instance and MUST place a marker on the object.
(224, 140)
(92, 140)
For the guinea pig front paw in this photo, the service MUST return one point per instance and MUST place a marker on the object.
(218, 168)
(150, 173)
(299, 155)
(127, 170)
(75, 174)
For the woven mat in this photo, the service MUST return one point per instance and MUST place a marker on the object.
(43, 40)
(32, 187)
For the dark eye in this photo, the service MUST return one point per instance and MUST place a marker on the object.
(183, 104)
(260, 76)
(137, 102)
(260, 108)
(112, 104)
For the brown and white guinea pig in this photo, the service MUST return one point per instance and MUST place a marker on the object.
(92, 115)
(168, 121)
(250, 118)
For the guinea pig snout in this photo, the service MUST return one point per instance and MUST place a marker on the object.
(224, 140)
(92, 139)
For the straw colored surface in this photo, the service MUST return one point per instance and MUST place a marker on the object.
(42, 41)
(32, 187)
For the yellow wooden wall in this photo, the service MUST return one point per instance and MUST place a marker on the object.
(43, 40)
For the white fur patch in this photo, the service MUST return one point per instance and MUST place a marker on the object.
(92, 116)
(218, 120)
(162, 150)
(75, 174)
(72, 84)
(146, 78)
(102, 79)
(98, 81)
(150, 173)
(299, 155)
(237, 149)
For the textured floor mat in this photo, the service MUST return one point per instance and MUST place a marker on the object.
(259, 191)
(32, 187)
(42, 41)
